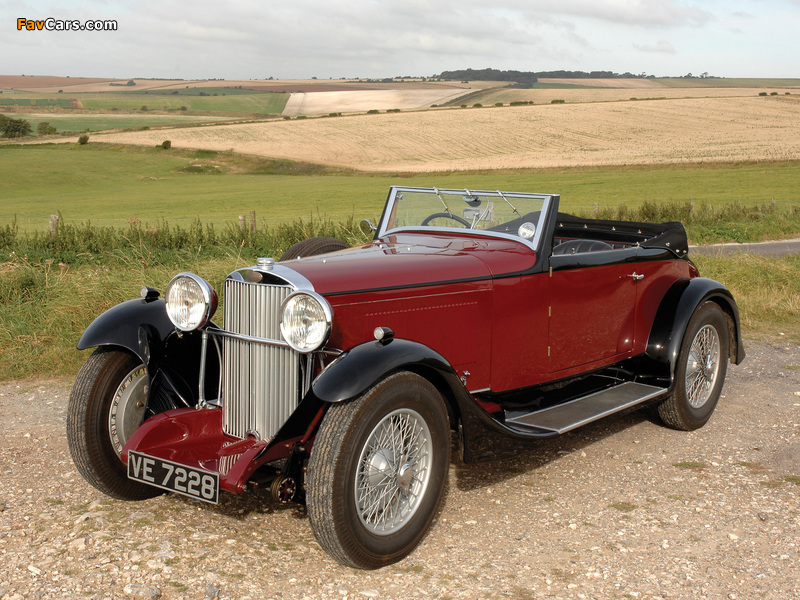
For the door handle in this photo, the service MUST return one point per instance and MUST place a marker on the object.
(636, 276)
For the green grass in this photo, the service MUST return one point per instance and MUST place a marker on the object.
(767, 292)
(226, 101)
(66, 122)
(86, 183)
(144, 210)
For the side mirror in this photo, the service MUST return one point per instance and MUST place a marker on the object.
(366, 227)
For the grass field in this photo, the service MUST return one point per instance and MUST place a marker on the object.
(87, 182)
(71, 122)
(237, 102)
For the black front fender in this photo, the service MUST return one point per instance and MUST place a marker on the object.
(139, 325)
(172, 359)
(358, 369)
(676, 310)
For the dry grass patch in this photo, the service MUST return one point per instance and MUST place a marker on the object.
(597, 134)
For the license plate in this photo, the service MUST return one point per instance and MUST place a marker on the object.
(175, 477)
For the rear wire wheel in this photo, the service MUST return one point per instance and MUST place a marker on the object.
(378, 470)
(107, 404)
(700, 373)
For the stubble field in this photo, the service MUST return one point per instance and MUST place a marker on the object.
(669, 131)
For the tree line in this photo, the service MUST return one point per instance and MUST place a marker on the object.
(528, 78)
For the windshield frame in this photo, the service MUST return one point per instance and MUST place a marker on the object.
(548, 200)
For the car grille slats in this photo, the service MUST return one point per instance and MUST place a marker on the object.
(260, 387)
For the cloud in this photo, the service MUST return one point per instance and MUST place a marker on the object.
(661, 47)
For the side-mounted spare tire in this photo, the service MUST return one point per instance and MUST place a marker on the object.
(313, 246)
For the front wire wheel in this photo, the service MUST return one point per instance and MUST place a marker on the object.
(377, 471)
(107, 404)
(701, 369)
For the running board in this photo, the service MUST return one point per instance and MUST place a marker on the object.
(564, 417)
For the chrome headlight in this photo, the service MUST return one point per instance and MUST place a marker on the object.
(306, 321)
(191, 301)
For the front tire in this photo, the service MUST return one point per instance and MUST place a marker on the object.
(377, 471)
(700, 374)
(107, 404)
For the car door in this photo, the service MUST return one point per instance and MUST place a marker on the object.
(592, 309)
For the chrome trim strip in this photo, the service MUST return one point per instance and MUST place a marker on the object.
(292, 278)
(249, 338)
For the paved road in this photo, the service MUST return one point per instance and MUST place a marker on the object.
(778, 248)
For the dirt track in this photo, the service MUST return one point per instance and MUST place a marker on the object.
(622, 509)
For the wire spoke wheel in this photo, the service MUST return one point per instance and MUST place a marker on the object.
(703, 366)
(377, 471)
(393, 471)
(700, 370)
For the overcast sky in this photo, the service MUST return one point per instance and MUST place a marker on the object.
(252, 39)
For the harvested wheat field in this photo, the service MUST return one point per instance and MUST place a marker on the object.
(316, 103)
(612, 94)
(613, 133)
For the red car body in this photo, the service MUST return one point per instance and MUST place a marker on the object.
(511, 325)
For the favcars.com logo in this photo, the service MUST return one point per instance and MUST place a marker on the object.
(65, 25)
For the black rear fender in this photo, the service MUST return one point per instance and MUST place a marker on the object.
(676, 309)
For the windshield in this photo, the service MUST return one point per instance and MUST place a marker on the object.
(503, 214)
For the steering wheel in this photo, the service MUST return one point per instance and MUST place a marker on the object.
(444, 215)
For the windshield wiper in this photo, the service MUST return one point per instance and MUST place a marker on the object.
(499, 193)
(436, 191)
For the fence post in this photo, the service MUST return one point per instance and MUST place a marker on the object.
(54, 221)
(242, 223)
(253, 222)
(596, 209)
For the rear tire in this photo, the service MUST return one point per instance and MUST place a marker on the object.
(700, 374)
(313, 247)
(106, 405)
(378, 470)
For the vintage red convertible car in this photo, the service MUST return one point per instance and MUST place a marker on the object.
(337, 378)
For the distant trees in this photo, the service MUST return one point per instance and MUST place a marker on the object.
(14, 128)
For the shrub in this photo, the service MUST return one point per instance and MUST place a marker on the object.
(774, 94)
(83, 139)
(557, 101)
(373, 112)
(184, 108)
(762, 93)
(463, 106)
(144, 108)
(166, 144)
(477, 105)
(44, 128)
(14, 128)
(498, 104)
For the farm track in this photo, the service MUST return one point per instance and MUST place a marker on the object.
(597, 134)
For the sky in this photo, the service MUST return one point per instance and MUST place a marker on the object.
(296, 39)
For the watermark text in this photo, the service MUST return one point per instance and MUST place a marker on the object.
(51, 24)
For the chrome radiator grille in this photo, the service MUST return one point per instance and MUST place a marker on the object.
(261, 382)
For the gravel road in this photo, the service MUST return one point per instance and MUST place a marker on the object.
(623, 508)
